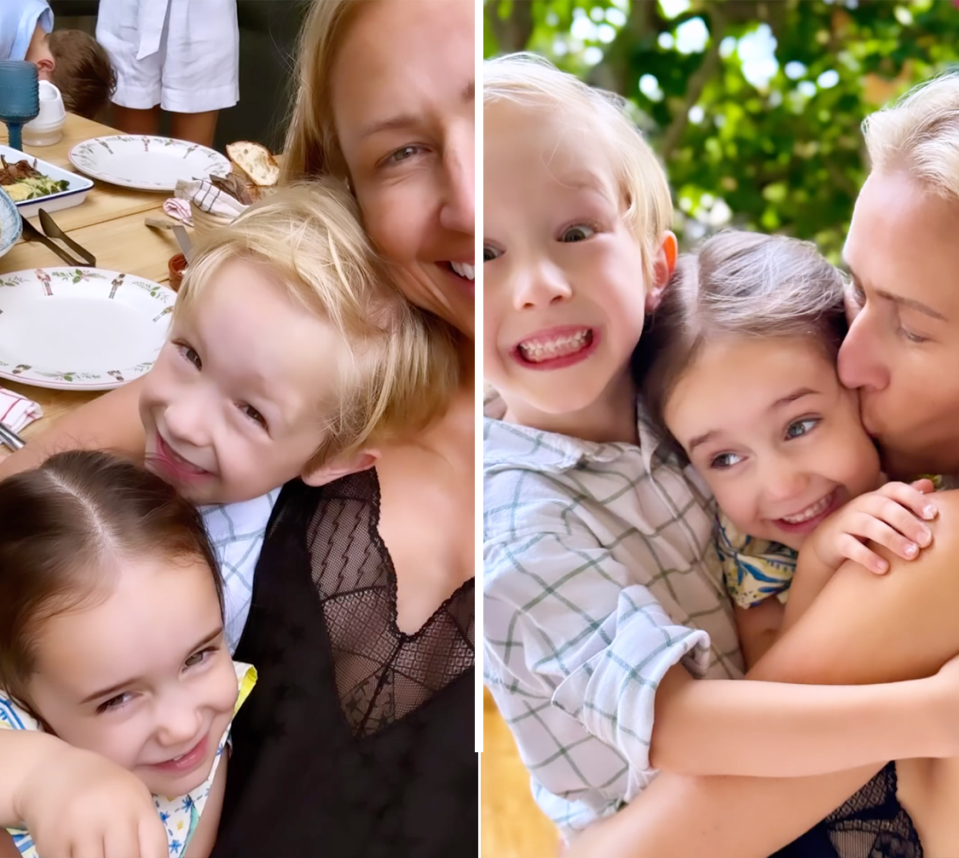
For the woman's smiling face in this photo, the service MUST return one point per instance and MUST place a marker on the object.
(403, 102)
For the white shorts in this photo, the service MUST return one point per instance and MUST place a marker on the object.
(181, 54)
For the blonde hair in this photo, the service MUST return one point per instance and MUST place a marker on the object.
(312, 148)
(534, 83)
(919, 134)
(403, 367)
(737, 285)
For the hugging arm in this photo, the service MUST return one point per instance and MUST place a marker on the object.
(110, 422)
(863, 628)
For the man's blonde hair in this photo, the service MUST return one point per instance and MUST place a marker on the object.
(919, 135)
(402, 367)
(532, 82)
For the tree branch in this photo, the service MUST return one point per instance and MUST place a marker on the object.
(697, 82)
(514, 30)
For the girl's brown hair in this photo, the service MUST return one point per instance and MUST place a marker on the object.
(62, 526)
(737, 284)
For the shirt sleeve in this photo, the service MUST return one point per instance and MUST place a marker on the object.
(566, 622)
(18, 20)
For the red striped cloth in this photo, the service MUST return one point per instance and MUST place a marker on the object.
(17, 411)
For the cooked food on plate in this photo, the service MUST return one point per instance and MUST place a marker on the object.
(23, 181)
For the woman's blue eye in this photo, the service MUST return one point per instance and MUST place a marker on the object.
(578, 233)
(403, 154)
(490, 253)
(801, 427)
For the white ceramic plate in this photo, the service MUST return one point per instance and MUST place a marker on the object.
(75, 193)
(80, 328)
(10, 223)
(146, 163)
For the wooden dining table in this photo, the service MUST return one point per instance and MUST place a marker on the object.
(110, 224)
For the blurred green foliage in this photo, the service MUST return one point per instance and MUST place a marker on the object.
(755, 106)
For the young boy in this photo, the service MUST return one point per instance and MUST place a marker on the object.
(70, 59)
(600, 575)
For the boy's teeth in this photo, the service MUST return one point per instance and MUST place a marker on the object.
(537, 351)
(809, 512)
(463, 269)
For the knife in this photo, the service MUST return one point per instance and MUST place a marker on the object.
(184, 241)
(10, 438)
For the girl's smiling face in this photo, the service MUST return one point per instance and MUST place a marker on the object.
(141, 674)
(776, 436)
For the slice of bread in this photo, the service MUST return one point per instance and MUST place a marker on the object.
(255, 162)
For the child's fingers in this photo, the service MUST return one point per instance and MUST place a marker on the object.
(866, 526)
(925, 485)
(899, 517)
(122, 841)
(153, 842)
(852, 549)
(911, 498)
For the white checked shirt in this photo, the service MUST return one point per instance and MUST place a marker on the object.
(600, 573)
(236, 531)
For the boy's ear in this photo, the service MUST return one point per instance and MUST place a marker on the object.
(45, 67)
(663, 267)
(339, 467)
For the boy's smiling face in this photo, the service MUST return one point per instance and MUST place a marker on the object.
(234, 406)
(564, 295)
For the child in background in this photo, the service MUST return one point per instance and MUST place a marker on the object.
(70, 59)
(290, 355)
(603, 589)
(111, 638)
(178, 55)
(738, 368)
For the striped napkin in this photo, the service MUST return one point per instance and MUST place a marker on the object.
(17, 411)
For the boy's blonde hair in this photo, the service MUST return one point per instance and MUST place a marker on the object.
(919, 134)
(312, 148)
(403, 366)
(736, 285)
(533, 82)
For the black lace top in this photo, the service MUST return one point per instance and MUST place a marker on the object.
(871, 824)
(358, 739)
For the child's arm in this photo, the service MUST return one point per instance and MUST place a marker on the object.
(110, 422)
(758, 628)
(892, 516)
(75, 802)
(566, 630)
(201, 843)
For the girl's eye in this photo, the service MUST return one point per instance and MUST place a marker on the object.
(724, 461)
(801, 427)
(580, 232)
(190, 355)
(490, 253)
(113, 703)
(253, 414)
(911, 337)
(199, 657)
(857, 296)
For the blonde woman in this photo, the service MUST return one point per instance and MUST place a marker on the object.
(361, 742)
(900, 352)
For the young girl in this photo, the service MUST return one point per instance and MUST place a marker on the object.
(111, 638)
(738, 367)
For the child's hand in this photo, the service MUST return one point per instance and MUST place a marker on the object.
(79, 803)
(892, 517)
